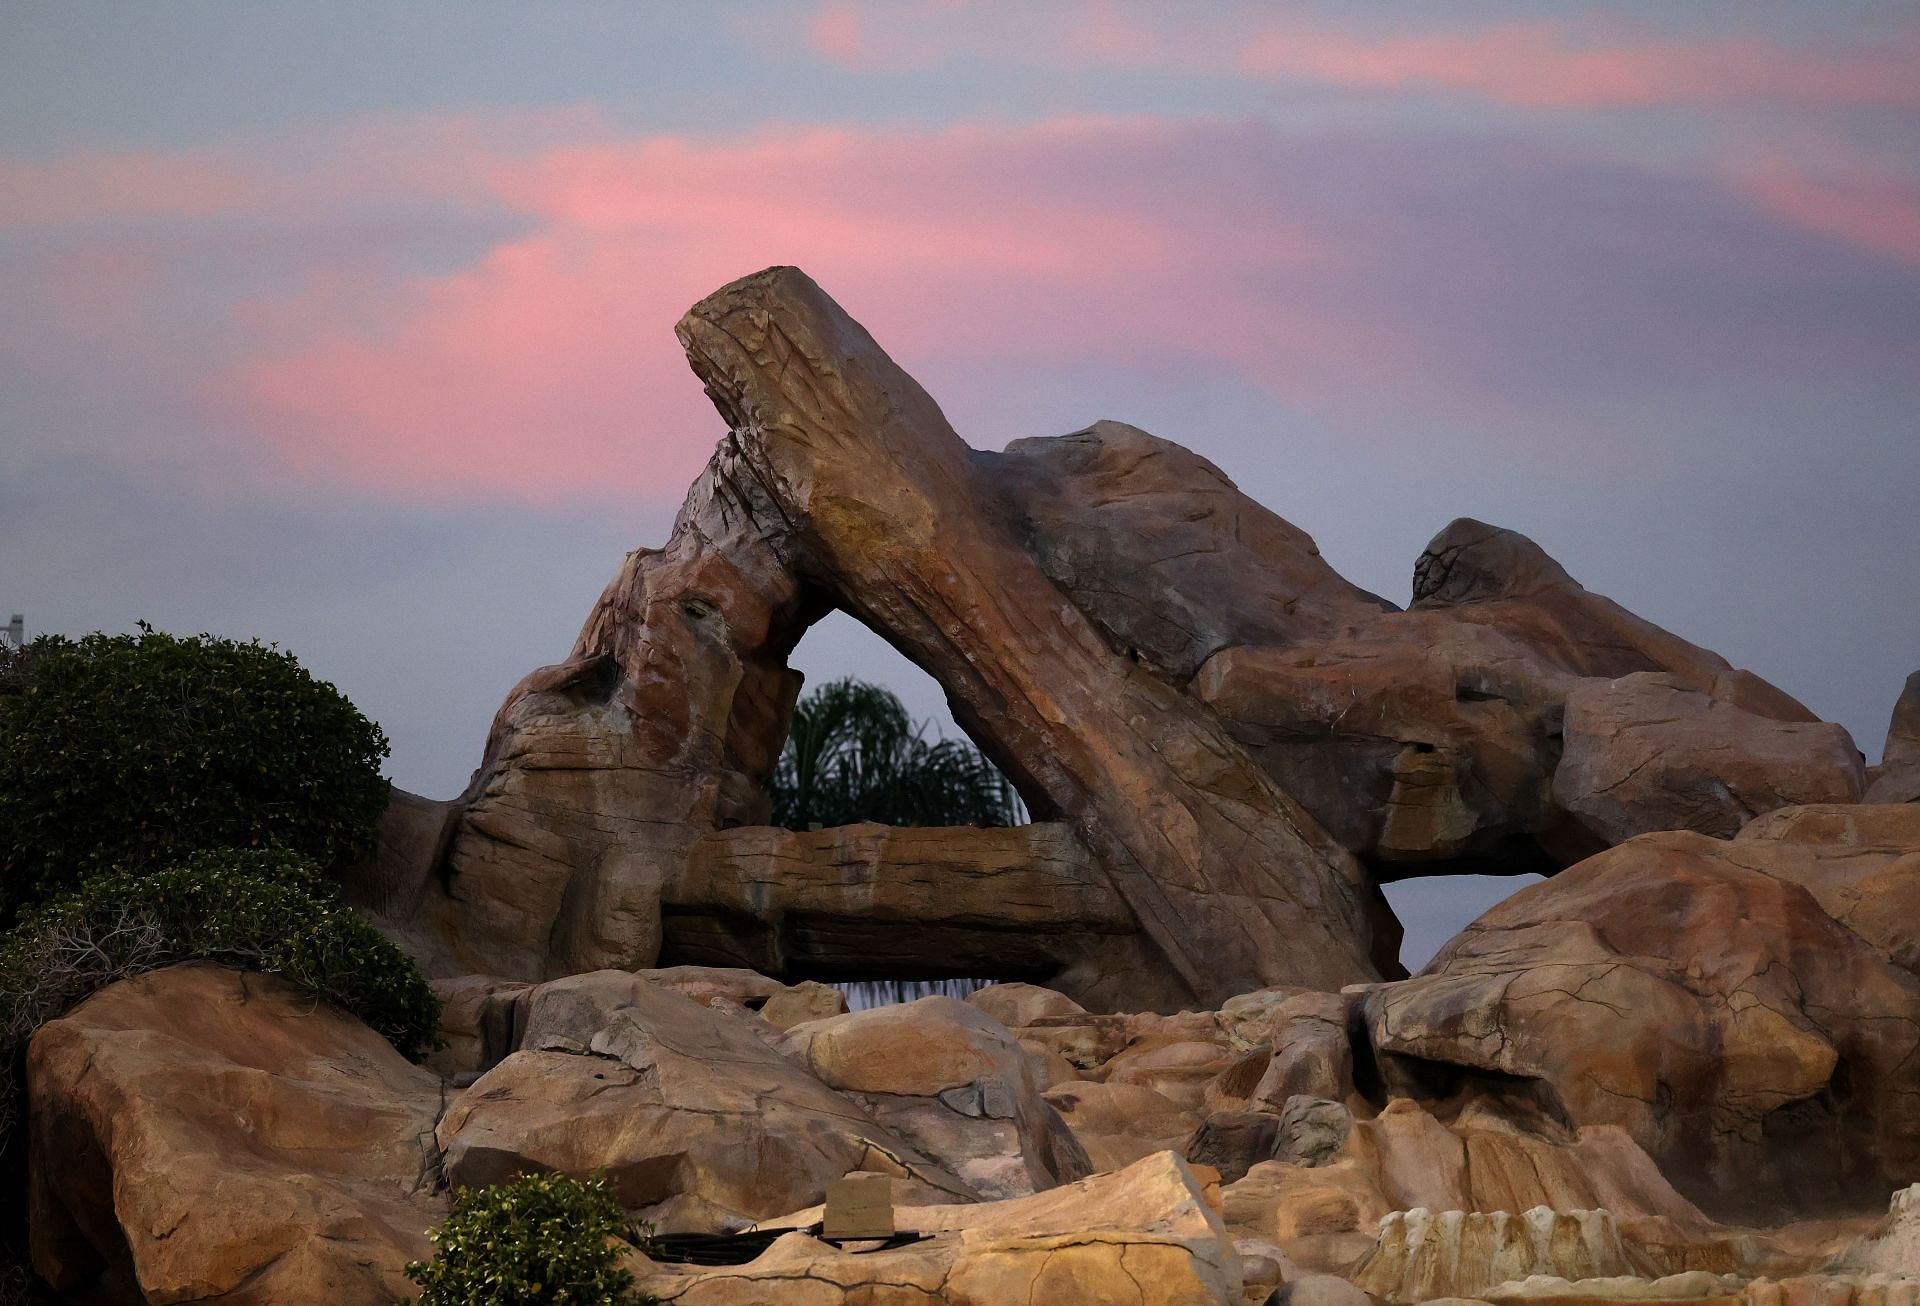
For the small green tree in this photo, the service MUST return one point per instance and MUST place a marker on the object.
(853, 754)
(542, 1238)
(130, 752)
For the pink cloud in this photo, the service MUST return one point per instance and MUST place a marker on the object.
(1575, 63)
(1870, 210)
(1550, 65)
(1359, 279)
(86, 187)
(550, 364)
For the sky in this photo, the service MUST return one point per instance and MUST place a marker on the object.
(349, 326)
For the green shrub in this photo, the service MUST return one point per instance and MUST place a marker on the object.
(541, 1238)
(127, 752)
(265, 910)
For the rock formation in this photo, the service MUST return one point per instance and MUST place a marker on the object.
(1762, 1052)
(1686, 1067)
(197, 1134)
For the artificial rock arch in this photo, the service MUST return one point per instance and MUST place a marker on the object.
(1228, 744)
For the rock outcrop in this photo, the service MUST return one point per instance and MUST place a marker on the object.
(1897, 778)
(197, 1134)
(1646, 752)
(671, 1099)
(953, 1081)
(1424, 1254)
(1145, 1235)
(1759, 1050)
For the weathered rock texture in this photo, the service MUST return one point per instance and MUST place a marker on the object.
(1760, 1051)
(1146, 1235)
(1897, 778)
(607, 777)
(197, 1134)
(954, 1081)
(1424, 1254)
(669, 1098)
(1210, 722)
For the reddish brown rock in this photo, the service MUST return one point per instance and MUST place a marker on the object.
(669, 1098)
(1756, 1048)
(1862, 863)
(197, 1134)
(1897, 778)
(953, 1082)
(1646, 752)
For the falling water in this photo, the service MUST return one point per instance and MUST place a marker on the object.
(863, 994)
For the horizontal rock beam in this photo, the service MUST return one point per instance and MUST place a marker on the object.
(877, 901)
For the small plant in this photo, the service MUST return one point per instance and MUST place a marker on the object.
(128, 752)
(270, 911)
(541, 1238)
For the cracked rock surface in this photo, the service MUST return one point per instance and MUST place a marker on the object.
(198, 1134)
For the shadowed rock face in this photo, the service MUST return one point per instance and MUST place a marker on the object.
(1229, 745)
(1764, 1054)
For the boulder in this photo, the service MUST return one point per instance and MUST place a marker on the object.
(1312, 1053)
(199, 1134)
(1119, 1124)
(1311, 1130)
(955, 1082)
(1861, 863)
(1650, 752)
(1233, 1142)
(1897, 778)
(1146, 1235)
(1178, 1068)
(669, 1097)
(1760, 1051)
(1018, 1005)
(1423, 1254)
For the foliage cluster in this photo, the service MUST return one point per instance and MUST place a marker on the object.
(128, 752)
(542, 1238)
(853, 754)
(265, 910)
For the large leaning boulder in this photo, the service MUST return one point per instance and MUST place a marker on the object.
(1759, 1050)
(198, 1134)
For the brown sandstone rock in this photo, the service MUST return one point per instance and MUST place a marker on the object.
(1756, 1048)
(1017, 1005)
(668, 1097)
(1897, 778)
(844, 442)
(1646, 752)
(953, 1081)
(197, 1134)
(1861, 863)
(1146, 1235)
(892, 901)
(1119, 1124)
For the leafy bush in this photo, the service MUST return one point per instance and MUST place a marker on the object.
(130, 751)
(541, 1238)
(852, 754)
(266, 910)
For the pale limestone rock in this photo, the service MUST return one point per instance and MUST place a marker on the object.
(1422, 1254)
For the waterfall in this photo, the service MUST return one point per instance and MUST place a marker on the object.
(863, 994)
